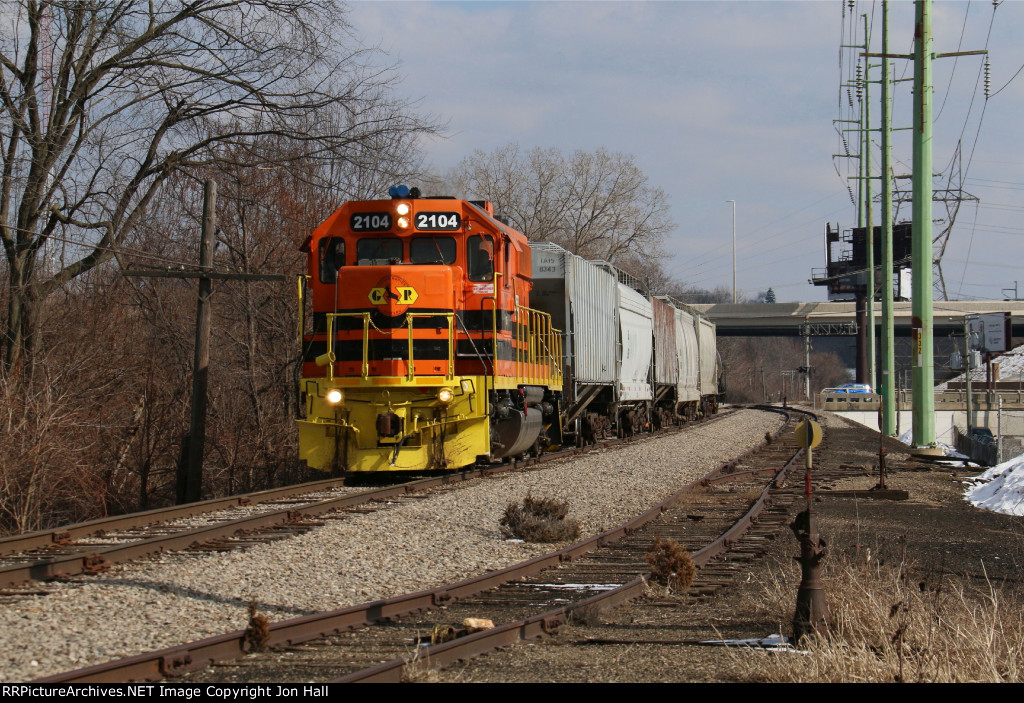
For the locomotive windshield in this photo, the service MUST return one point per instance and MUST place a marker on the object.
(378, 251)
(432, 250)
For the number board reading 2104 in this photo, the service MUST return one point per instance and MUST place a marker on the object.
(437, 221)
(370, 222)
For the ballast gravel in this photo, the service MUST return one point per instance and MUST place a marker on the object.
(178, 598)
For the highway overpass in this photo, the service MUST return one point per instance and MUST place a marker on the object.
(786, 319)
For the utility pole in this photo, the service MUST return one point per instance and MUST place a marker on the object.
(863, 295)
(189, 485)
(922, 324)
(868, 207)
(887, 389)
(922, 354)
(807, 367)
(733, 250)
(967, 373)
(860, 297)
(922, 351)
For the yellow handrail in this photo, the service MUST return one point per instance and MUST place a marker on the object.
(367, 323)
(450, 318)
(536, 342)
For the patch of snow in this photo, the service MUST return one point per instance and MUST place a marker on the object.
(772, 642)
(908, 439)
(1000, 489)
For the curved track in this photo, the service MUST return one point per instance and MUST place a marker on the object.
(716, 531)
(221, 524)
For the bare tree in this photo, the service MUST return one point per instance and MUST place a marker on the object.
(720, 294)
(756, 366)
(103, 100)
(597, 204)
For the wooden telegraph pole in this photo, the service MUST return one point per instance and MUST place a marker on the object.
(189, 485)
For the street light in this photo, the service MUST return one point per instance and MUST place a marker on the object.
(733, 249)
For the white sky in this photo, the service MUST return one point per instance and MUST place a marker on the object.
(718, 101)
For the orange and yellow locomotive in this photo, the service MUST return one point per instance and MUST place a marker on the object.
(423, 351)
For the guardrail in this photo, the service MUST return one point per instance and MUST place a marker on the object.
(983, 400)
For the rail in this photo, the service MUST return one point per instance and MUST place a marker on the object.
(179, 659)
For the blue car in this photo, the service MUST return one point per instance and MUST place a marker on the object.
(854, 388)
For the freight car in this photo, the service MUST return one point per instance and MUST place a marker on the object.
(631, 363)
(435, 336)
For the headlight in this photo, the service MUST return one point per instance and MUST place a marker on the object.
(403, 223)
(334, 396)
(402, 208)
(445, 396)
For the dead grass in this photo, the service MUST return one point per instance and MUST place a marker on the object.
(257, 634)
(890, 623)
(671, 565)
(418, 669)
(539, 520)
(588, 615)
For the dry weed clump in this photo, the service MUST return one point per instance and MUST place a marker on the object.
(418, 669)
(671, 565)
(539, 520)
(257, 634)
(588, 615)
(889, 625)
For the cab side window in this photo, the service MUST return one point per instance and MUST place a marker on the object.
(332, 258)
(480, 258)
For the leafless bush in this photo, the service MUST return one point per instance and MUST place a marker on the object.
(671, 565)
(539, 520)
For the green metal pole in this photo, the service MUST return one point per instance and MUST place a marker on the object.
(922, 354)
(868, 220)
(888, 427)
(967, 373)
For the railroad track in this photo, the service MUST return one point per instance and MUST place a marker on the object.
(215, 525)
(711, 518)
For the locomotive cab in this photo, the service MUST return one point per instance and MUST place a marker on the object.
(422, 351)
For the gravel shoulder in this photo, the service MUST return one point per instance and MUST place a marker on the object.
(656, 640)
(182, 597)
